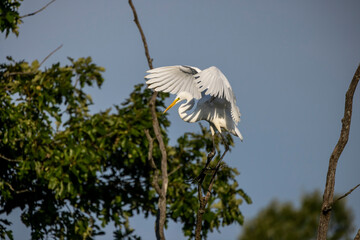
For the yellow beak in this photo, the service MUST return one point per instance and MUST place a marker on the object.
(172, 104)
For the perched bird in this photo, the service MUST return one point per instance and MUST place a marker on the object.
(216, 102)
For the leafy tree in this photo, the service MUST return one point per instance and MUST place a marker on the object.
(9, 16)
(284, 221)
(72, 172)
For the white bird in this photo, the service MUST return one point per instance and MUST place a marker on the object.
(216, 101)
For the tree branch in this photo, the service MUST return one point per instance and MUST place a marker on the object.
(9, 159)
(346, 194)
(16, 191)
(155, 182)
(49, 55)
(330, 178)
(41, 9)
(161, 215)
(174, 170)
(7, 74)
(136, 20)
(203, 202)
(204, 199)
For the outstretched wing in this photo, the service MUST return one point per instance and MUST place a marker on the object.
(214, 83)
(174, 79)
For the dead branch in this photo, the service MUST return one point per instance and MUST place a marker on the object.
(330, 178)
(49, 55)
(161, 215)
(346, 194)
(136, 20)
(41, 9)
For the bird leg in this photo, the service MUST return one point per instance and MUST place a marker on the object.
(210, 156)
(223, 155)
(202, 174)
(212, 153)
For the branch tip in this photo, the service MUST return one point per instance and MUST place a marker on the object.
(41, 9)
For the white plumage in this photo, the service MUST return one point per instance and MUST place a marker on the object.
(216, 100)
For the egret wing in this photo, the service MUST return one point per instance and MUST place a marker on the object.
(174, 79)
(214, 83)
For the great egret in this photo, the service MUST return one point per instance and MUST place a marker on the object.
(216, 101)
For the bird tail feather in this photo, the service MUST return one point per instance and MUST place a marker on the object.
(239, 134)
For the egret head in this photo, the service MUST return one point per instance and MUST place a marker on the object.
(181, 96)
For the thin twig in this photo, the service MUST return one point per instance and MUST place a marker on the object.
(41, 9)
(346, 194)
(49, 55)
(7, 74)
(16, 191)
(330, 178)
(9, 159)
(174, 170)
(9, 185)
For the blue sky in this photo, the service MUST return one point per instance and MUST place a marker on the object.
(289, 64)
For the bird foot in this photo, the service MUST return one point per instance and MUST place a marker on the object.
(211, 154)
(201, 176)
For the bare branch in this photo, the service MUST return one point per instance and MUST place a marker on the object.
(7, 74)
(136, 20)
(164, 174)
(161, 215)
(9, 159)
(155, 181)
(346, 194)
(50, 53)
(330, 178)
(41, 9)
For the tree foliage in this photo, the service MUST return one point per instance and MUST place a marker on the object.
(72, 171)
(9, 16)
(284, 221)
